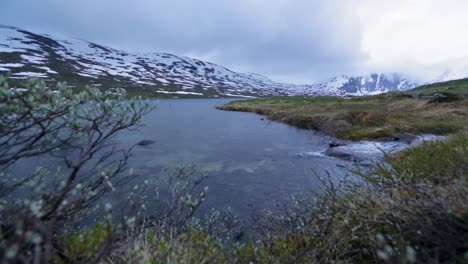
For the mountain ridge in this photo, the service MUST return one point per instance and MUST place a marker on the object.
(25, 54)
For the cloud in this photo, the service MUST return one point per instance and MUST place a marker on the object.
(299, 41)
(287, 40)
(422, 37)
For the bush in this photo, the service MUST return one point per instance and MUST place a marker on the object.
(75, 127)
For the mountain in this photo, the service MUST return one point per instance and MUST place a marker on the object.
(366, 85)
(25, 54)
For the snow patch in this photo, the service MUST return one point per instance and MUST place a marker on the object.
(30, 74)
(148, 83)
(179, 92)
(47, 69)
(33, 59)
(11, 65)
(238, 95)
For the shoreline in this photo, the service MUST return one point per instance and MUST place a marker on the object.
(386, 117)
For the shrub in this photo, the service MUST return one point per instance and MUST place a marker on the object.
(75, 127)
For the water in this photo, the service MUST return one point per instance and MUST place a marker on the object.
(250, 163)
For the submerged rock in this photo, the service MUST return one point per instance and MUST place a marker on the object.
(145, 142)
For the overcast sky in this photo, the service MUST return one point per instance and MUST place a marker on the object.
(297, 41)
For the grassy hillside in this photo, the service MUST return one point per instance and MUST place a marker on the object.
(459, 87)
(440, 108)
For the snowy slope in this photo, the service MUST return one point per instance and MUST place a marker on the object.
(24, 54)
(450, 75)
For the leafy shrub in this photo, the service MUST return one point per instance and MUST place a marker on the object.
(87, 245)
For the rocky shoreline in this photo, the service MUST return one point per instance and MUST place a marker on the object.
(367, 151)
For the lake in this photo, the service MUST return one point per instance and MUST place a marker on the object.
(251, 162)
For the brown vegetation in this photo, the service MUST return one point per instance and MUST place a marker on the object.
(373, 117)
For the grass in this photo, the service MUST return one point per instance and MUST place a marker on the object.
(455, 86)
(440, 108)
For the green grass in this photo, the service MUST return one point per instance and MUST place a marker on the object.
(455, 86)
(437, 109)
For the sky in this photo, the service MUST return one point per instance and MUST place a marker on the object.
(294, 41)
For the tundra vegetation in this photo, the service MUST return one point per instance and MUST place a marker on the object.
(410, 207)
(440, 108)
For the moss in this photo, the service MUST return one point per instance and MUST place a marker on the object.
(360, 134)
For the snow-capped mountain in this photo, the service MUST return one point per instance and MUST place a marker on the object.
(367, 85)
(25, 54)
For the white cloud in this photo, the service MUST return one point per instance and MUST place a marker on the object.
(419, 36)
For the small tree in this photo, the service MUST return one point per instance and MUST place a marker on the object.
(76, 127)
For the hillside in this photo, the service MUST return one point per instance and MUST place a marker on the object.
(25, 54)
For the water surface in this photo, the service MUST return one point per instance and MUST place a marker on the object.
(251, 162)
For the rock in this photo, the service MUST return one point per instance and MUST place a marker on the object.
(335, 144)
(349, 156)
(333, 152)
(339, 154)
(407, 138)
(145, 142)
